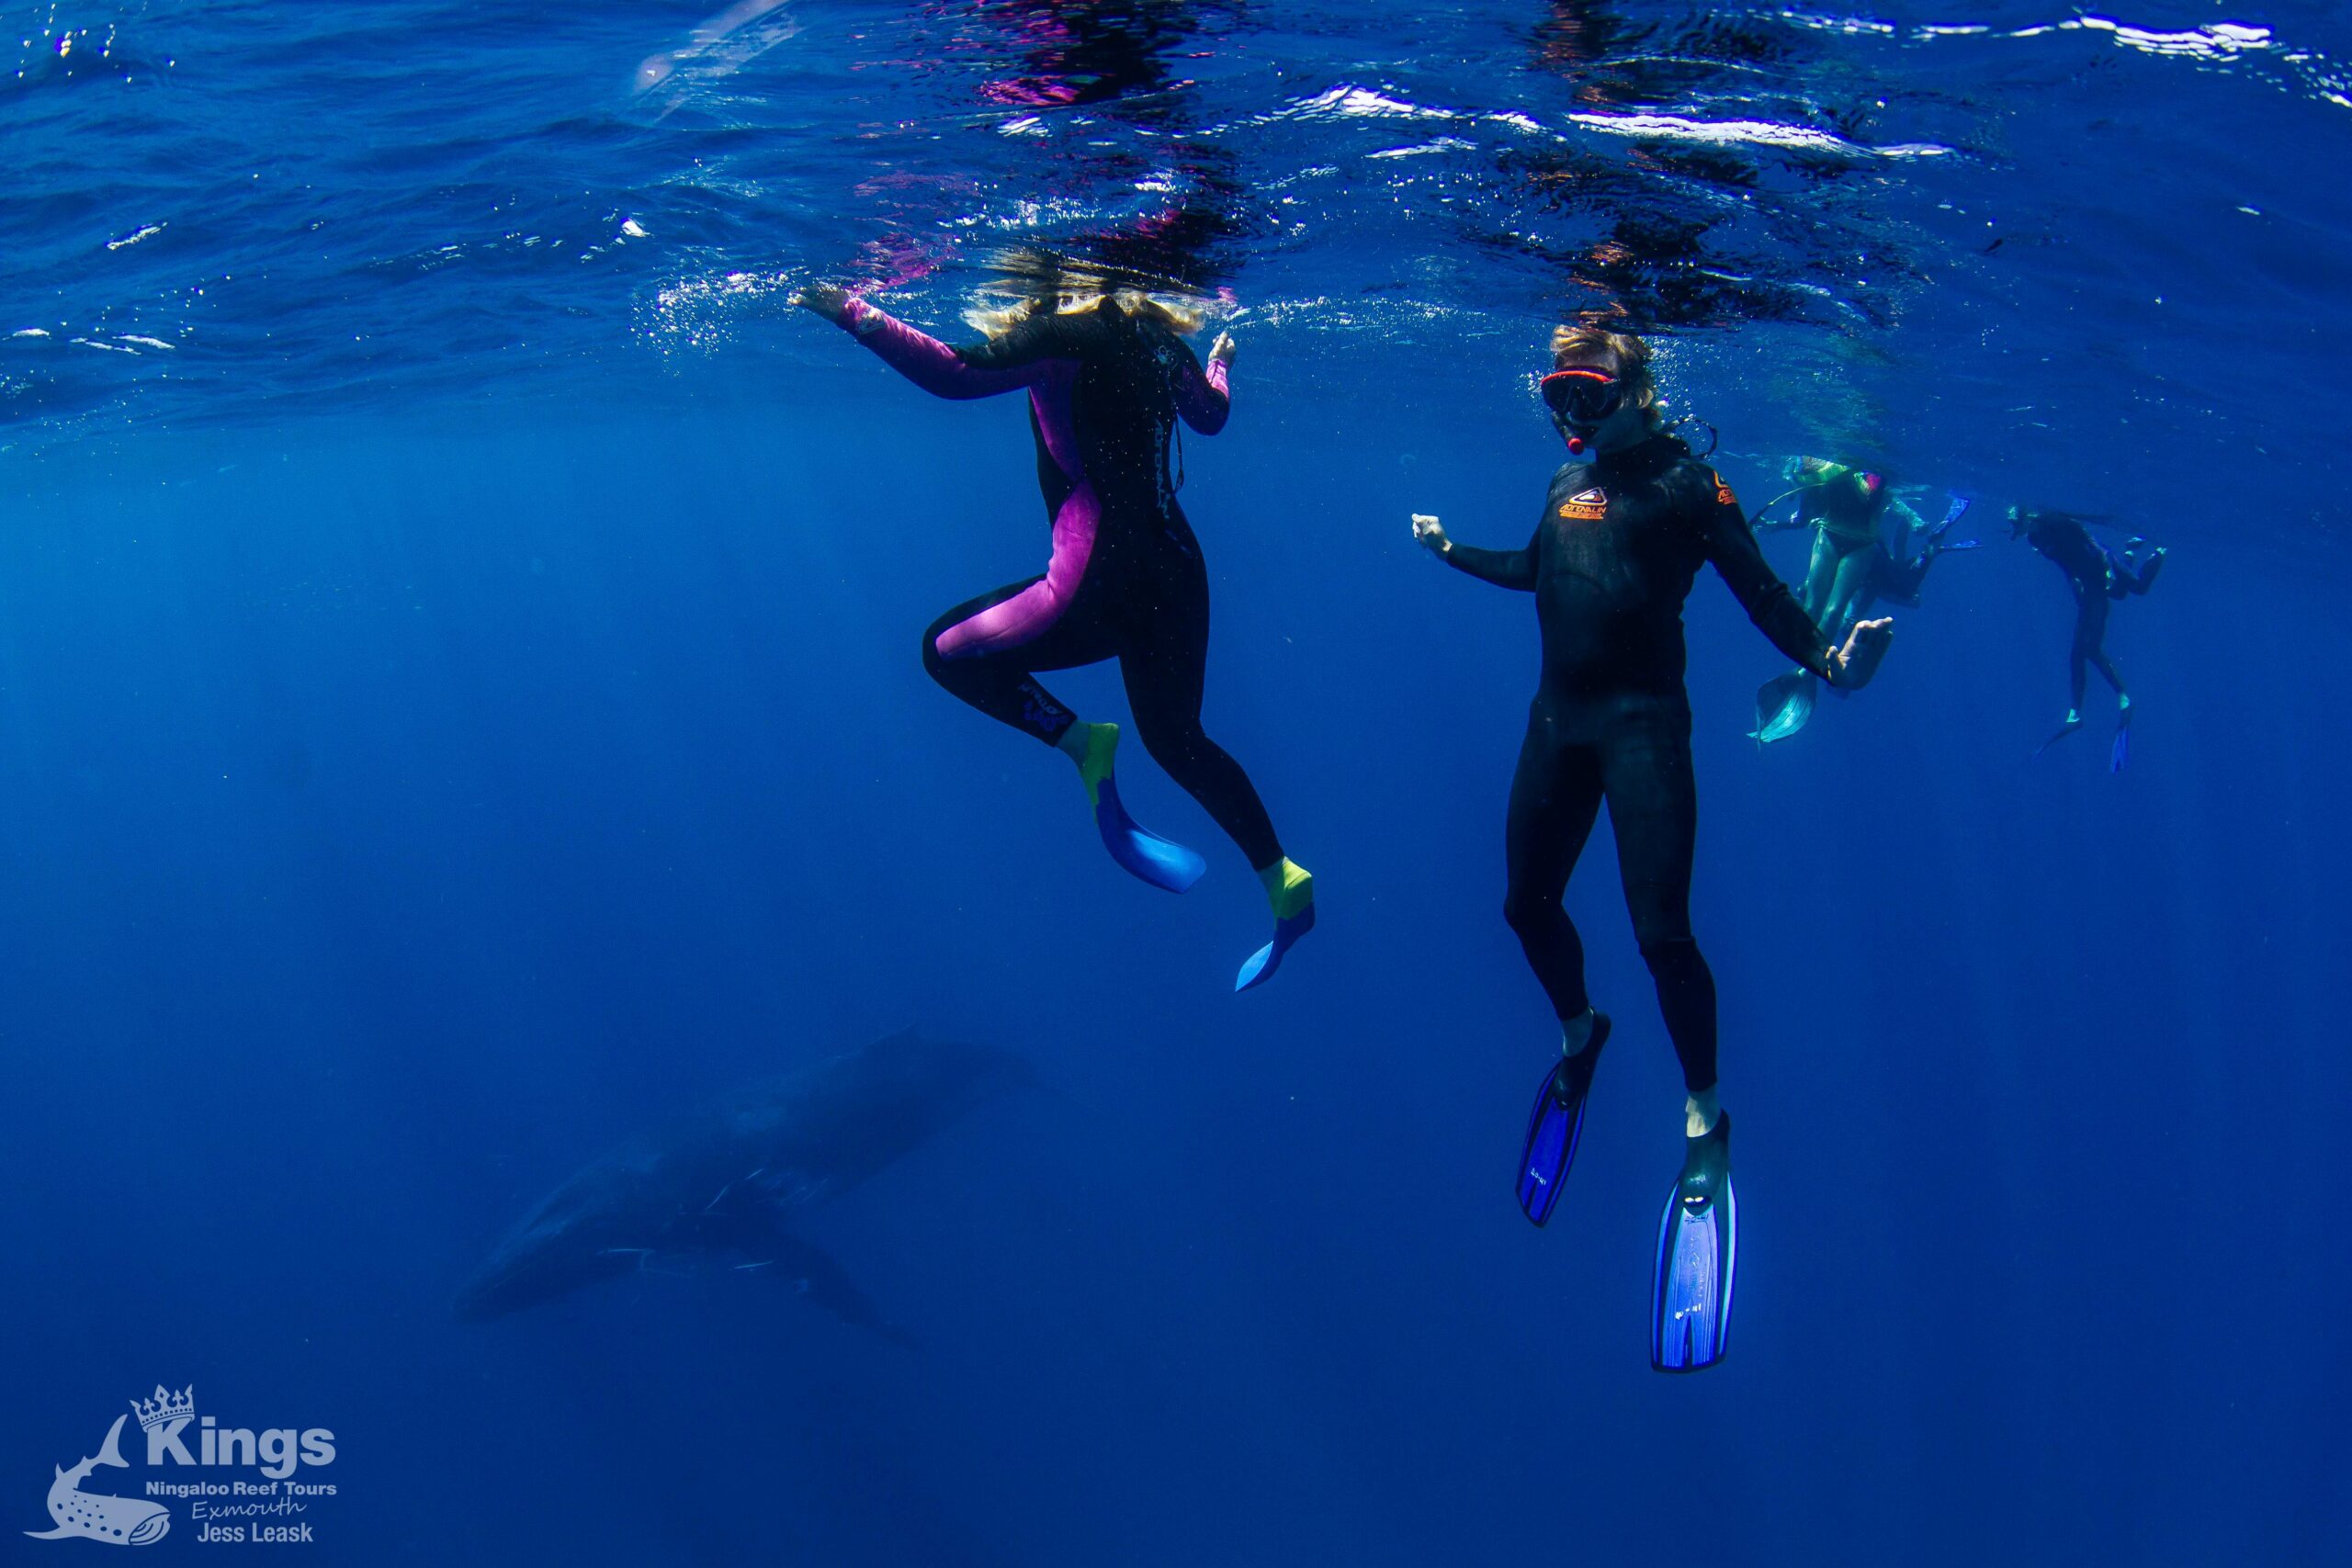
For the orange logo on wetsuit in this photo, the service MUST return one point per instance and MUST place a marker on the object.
(1723, 496)
(1585, 506)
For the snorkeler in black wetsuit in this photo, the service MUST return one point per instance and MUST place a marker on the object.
(1627, 524)
(2097, 575)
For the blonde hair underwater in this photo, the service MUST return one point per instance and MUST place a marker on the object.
(1072, 291)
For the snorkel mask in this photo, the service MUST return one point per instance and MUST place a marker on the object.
(1581, 399)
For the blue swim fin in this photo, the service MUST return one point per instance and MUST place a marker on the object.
(1933, 535)
(1163, 862)
(1783, 705)
(1290, 888)
(2121, 751)
(1556, 1124)
(1698, 1253)
(2074, 722)
(1259, 967)
(1141, 854)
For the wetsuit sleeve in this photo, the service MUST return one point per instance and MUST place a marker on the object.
(980, 372)
(1731, 545)
(1203, 397)
(1504, 568)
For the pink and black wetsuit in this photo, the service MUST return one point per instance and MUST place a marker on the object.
(1125, 579)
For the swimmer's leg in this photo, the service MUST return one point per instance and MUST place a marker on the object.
(1002, 683)
(1165, 665)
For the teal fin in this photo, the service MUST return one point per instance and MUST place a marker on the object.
(1783, 705)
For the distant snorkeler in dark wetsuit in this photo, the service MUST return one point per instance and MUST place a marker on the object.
(2097, 576)
(1868, 543)
(1108, 374)
(1625, 528)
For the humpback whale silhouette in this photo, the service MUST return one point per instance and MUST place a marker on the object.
(727, 1181)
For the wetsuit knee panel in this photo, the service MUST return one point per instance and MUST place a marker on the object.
(1527, 909)
(1670, 956)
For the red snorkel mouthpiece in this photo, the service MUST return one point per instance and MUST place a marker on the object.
(1575, 445)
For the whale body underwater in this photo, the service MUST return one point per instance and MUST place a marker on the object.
(727, 1181)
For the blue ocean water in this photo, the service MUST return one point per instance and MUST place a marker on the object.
(459, 703)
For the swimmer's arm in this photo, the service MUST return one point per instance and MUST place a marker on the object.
(1767, 521)
(919, 358)
(1731, 546)
(1204, 396)
(1504, 568)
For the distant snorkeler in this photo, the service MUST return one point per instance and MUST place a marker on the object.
(1625, 527)
(1899, 566)
(1868, 543)
(1103, 358)
(2097, 575)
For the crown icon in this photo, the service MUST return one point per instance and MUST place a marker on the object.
(165, 1406)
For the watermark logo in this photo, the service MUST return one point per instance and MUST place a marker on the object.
(93, 1515)
(256, 1509)
(163, 1418)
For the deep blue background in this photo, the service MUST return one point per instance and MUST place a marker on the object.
(399, 814)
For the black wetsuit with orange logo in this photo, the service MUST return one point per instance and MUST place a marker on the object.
(1614, 554)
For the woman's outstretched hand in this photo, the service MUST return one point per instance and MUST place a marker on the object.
(1222, 351)
(1865, 646)
(1430, 533)
(827, 299)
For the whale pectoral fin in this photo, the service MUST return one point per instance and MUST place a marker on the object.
(823, 1281)
(59, 1533)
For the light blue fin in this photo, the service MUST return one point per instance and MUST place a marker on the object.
(1144, 854)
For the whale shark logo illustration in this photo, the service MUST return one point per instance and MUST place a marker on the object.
(120, 1522)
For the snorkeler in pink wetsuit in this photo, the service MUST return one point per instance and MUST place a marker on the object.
(1108, 376)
